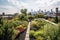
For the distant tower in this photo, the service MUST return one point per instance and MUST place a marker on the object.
(31, 10)
(45, 10)
(56, 11)
(51, 10)
(3, 13)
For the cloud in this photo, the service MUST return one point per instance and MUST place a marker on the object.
(18, 4)
(7, 9)
(56, 3)
(31, 4)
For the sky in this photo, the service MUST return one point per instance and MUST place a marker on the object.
(13, 6)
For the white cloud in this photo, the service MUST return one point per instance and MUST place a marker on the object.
(43, 4)
(6, 6)
(17, 3)
(7, 9)
(32, 4)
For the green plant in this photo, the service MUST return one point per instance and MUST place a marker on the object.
(30, 17)
(48, 32)
(39, 38)
(24, 11)
(39, 15)
(22, 17)
(6, 32)
(51, 31)
(32, 33)
(56, 19)
(1, 21)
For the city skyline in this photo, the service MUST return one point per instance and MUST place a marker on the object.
(12, 6)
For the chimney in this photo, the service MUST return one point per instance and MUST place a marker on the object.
(56, 11)
(3, 13)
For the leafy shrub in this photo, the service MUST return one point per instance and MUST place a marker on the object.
(39, 38)
(39, 15)
(19, 26)
(50, 31)
(7, 32)
(38, 33)
(30, 17)
(32, 33)
(22, 17)
(56, 19)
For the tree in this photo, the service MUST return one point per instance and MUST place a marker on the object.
(22, 17)
(24, 11)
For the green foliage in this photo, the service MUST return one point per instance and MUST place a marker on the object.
(39, 15)
(6, 32)
(22, 17)
(1, 21)
(56, 19)
(32, 33)
(47, 32)
(30, 17)
(37, 25)
(39, 38)
(16, 23)
(50, 31)
(8, 27)
(24, 11)
(1, 33)
(38, 33)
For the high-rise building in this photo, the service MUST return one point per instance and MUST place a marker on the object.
(51, 10)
